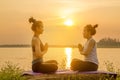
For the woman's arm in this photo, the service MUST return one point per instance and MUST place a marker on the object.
(89, 48)
(80, 47)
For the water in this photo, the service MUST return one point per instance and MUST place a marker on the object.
(23, 56)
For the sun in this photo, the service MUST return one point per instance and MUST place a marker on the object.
(68, 22)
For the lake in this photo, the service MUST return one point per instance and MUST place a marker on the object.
(23, 56)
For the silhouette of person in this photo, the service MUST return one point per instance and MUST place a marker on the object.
(39, 50)
(90, 62)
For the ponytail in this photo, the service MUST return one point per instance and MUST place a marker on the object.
(93, 31)
(95, 26)
(32, 20)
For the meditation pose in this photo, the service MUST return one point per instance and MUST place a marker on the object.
(39, 50)
(90, 62)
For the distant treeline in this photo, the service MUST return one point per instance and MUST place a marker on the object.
(103, 43)
(15, 45)
(108, 43)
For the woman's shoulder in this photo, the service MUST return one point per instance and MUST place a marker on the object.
(92, 40)
(35, 39)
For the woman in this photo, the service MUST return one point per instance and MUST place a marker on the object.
(89, 52)
(39, 50)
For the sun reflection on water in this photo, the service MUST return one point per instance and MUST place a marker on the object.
(68, 52)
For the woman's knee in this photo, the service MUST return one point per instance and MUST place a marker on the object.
(75, 62)
(54, 67)
(73, 65)
(51, 66)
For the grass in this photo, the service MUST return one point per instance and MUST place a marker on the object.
(111, 68)
(10, 71)
(63, 64)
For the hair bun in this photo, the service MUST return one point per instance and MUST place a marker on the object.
(95, 26)
(31, 20)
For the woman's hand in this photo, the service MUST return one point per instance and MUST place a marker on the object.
(46, 47)
(80, 47)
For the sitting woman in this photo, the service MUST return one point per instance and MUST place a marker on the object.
(38, 49)
(89, 52)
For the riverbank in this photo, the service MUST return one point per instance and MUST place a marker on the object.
(72, 75)
(13, 72)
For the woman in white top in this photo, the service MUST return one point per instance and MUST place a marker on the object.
(90, 62)
(38, 49)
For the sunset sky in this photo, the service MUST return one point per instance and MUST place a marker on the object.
(15, 28)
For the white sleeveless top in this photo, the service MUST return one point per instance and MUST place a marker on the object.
(92, 56)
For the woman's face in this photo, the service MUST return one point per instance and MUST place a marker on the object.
(86, 33)
(39, 28)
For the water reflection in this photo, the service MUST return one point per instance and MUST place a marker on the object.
(68, 52)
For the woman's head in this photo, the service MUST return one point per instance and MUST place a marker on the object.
(90, 30)
(37, 26)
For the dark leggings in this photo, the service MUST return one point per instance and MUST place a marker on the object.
(79, 65)
(45, 67)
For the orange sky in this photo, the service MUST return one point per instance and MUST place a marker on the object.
(15, 29)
